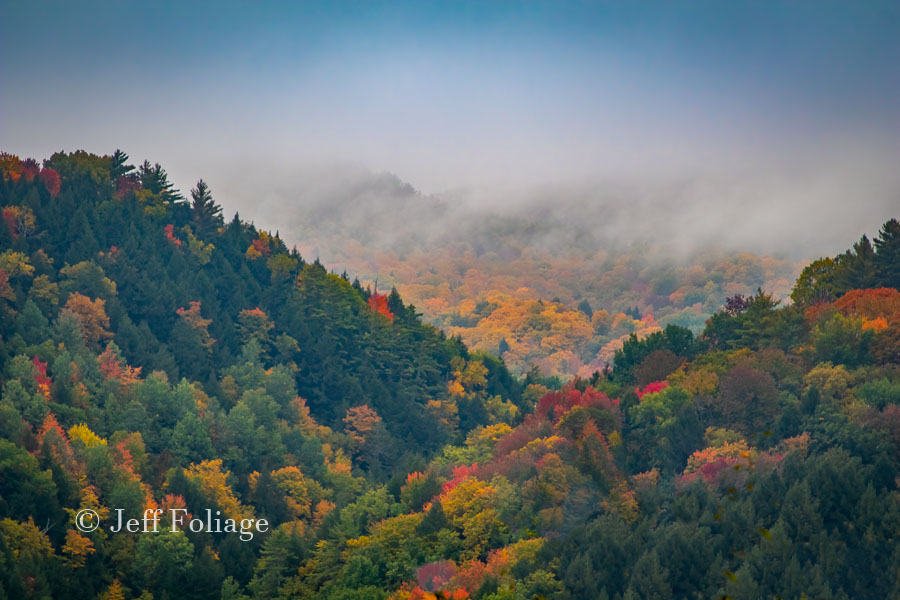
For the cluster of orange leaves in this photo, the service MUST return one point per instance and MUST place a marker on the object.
(192, 316)
(876, 310)
(360, 421)
(113, 368)
(91, 314)
(378, 303)
(879, 307)
(418, 593)
(52, 438)
(170, 234)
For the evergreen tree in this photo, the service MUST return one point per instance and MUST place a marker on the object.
(118, 166)
(856, 269)
(887, 254)
(585, 307)
(155, 179)
(207, 214)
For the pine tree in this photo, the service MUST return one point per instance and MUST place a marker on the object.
(434, 520)
(117, 166)
(207, 214)
(887, 254)
(155, 179)
(585, 307)
(856, 267)
(649, 579)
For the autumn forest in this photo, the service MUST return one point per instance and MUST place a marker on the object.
(430, 421)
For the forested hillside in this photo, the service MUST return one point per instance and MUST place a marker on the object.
(157, 356)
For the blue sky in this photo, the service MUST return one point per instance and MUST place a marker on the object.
(456, 94)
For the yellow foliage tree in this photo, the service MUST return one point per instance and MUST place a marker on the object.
(82, 433)
(113, 592)
(77, 548)
(213, 481)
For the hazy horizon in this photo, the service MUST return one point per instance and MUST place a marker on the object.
(764, 126)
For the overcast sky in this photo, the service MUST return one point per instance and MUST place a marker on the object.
(472, 94)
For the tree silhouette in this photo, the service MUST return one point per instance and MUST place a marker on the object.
(155, 179)
(887, 257)
(117, 166)
(207, 214)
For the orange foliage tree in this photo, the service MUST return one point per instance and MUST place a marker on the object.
(378, 303)
(91, 314)
(360, 422)
(195, 320)
(113, 367)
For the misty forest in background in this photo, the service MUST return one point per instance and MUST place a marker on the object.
(560, 289)
(156, 355)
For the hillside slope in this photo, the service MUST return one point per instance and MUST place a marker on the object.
(156, 357)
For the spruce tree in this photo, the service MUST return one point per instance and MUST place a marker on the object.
(117, 166)
(887, 254)
(207, 214)
(155, 179)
